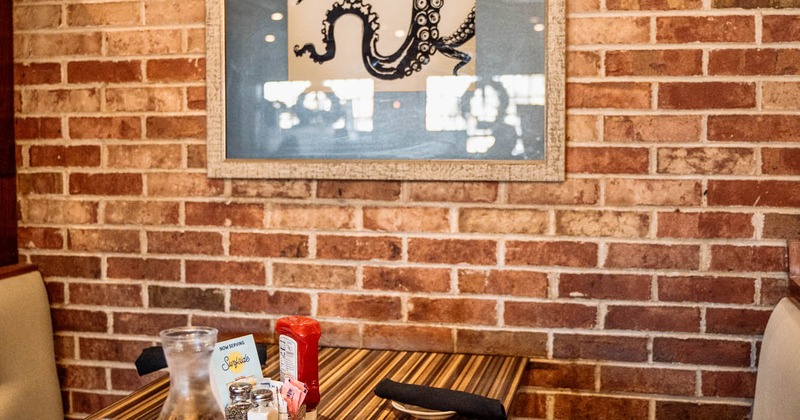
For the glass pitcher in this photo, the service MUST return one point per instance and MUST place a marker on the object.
(188, 351)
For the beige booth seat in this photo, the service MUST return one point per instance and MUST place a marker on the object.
(29, 386)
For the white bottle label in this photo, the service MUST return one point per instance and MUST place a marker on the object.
(287, 351)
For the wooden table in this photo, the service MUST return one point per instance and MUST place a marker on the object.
(348, 376)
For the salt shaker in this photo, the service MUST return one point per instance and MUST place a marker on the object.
(240, 401)
(263, 406)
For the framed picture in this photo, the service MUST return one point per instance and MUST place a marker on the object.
(386, 89)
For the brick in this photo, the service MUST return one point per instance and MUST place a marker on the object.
(270, 188)
(583, 64)
(58, 211)
(105, 184)
(144, 42)
(754, 193)
(65, 44)
(225, 214)
(600, 347)
(145, 156)
(196, 40)
(751, 62)
(607, 160)
(129, 379)
(87, 377)
(161, 99)
(176, 127)
(183, 185)
(561, 253)
(617, 95)
(340, 334)
(67, 266)
(104, 71)
(780, 161)
(359, 247)
(407, 279)
(778, 95)
(698, 351)
(452, 251)
(706, 95)
(314, 276)
(582, 128)
(749, 258)
(576, 406)
(736, 290)
(196, 156)
(168, 12)
(104, 240)
(653, 256)
(520, 343)
(86, 402)
(270, 302)
(35, 16)
(731, 384)
(40, 183)
(196, 100)
(655, 128)
(618, 30)
(359, 190)
(583, 6)
(736, 321)
(487, 220)
(773, 290)
(186, 298)
(415, 338)
(707, 161)
(571, 191)
(707, 225)
(176, 70)
(124, 295)
(550, 315)
(406, 219)
(754, 128)
(617, 224)
(65, 156)
(563, 375)
(781, 28)
(781, 226)
(453, 311)
(653, 318)
(688, 29)
(103, 14)
(127, 128)
(40, 238)
(503, 282)
(64, 347)
(37, 128)
(143, 269)
(232, 326)
(654, 62)
(78, 320)
(604, 286)
(647, 380)
(293, 216)
(461, 192)
(269, 245)
(226, 272)
(653, 192)
(364, 307)
(654, 4)
(206, 243)
(529, 404)
(56, 292)
(146, 323)
(37, 73)
(753, 4)
(141, 212)
(678, 410)
(59, 101)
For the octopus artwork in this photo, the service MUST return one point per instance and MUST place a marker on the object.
(422, 40)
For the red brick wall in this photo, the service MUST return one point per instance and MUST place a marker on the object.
(640, 286)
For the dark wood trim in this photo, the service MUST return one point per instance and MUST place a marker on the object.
(794, 269)
(16, 270)
(9, 253)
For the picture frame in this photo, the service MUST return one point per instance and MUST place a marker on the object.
(281, 115)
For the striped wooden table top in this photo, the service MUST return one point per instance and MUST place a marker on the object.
(348, 376)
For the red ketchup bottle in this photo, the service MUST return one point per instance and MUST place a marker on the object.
(298, 339)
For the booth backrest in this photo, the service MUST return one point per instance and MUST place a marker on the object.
(29, 387)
